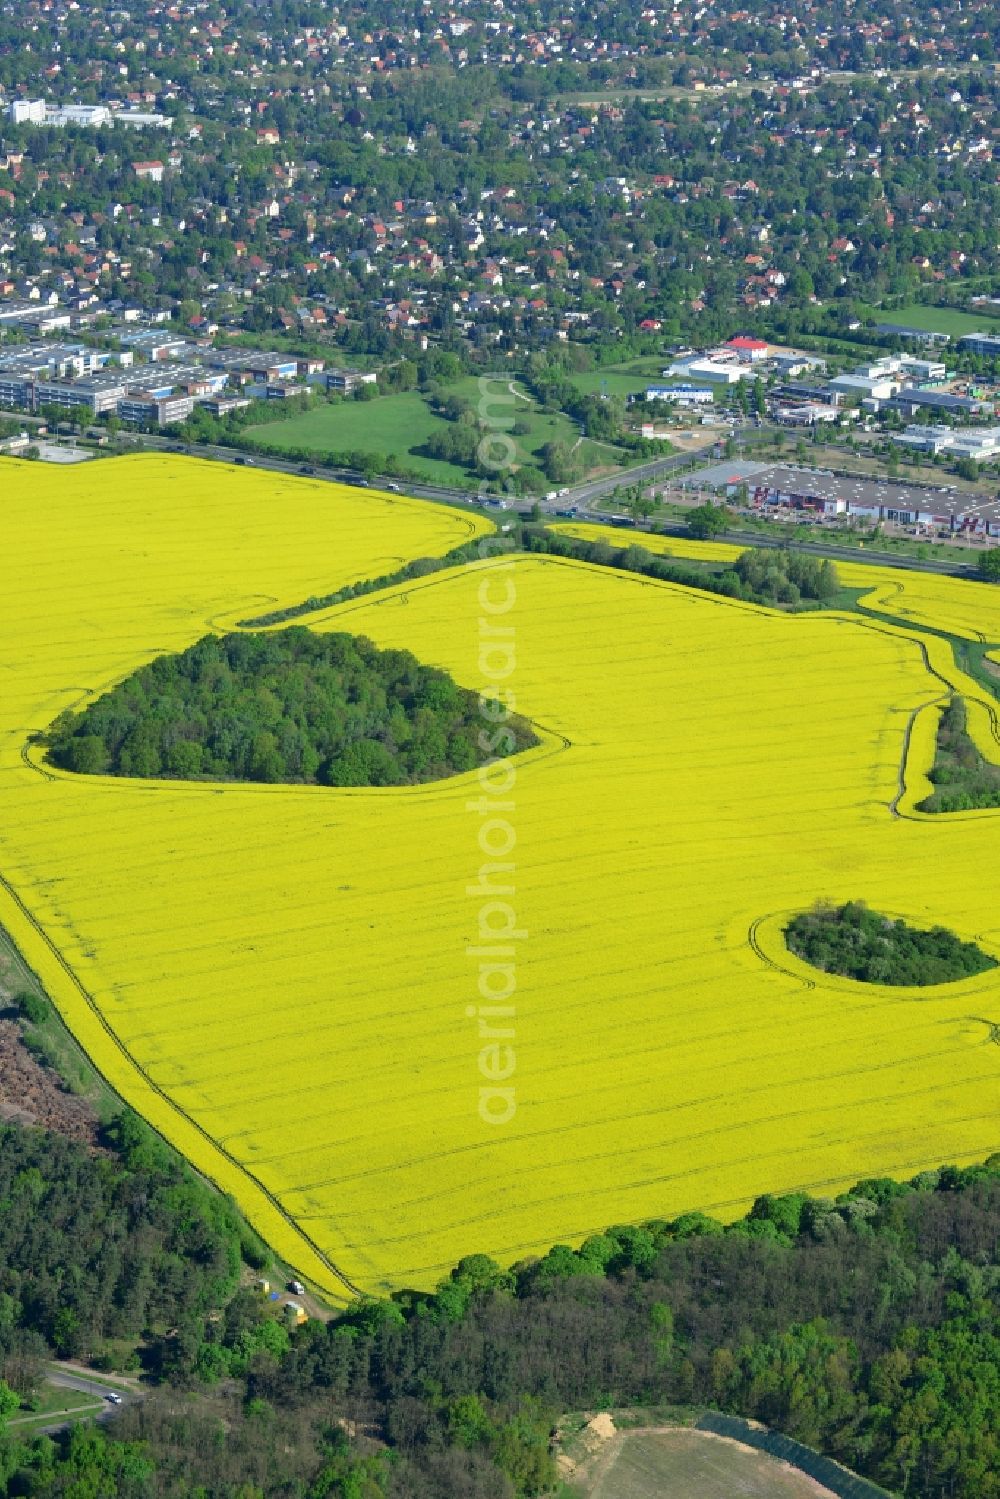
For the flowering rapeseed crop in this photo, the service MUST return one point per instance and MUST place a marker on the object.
(106, 566)
(280, 977)
(959, 605)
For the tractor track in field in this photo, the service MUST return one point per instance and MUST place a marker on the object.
(95, 1010)
(873, 621)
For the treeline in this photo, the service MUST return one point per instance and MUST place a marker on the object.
(328, 709)
(773, 582)
(858, 943)
(962, 778)
(867, 1326)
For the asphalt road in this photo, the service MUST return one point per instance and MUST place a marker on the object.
(86, 1385)
(286, 466)
(581, 497)
(69, 1379)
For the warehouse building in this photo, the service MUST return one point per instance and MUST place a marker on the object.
(913, 335)
(876, 387)
(925, 439)
(684, 394)
(981, 343)
(909, 401)
(826, 494)
(715, 371)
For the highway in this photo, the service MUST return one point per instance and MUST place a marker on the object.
(581, 494)
(581, 497)
(274, 464)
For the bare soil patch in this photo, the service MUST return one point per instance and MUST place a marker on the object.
(32, 1094)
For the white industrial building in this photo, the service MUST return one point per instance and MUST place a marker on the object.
(26, 112)
(924, 439)
(83, 116)
(981, 444)
(806, 414)
(877, 387)
(715, 371)
(683, 394)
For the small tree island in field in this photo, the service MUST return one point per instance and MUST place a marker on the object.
(858, 943)
(287, 706)
(962, 778)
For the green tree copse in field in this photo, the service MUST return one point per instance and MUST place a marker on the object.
(859, 943)
(989, 565)
(287, 706)
(962, 778)
(786, 576)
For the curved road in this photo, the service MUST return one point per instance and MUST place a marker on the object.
(107, 1399)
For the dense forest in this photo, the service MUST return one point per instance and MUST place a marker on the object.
(290, 706)
(867, 1326)
(860, 944)
(97, 1247)
(962, 779)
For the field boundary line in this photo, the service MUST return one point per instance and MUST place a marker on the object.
(28, 918)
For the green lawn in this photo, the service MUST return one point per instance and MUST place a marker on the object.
(52, 1399)
(52, 1403)
(623, 379)
(389, 424)
(400, 424)
(937, 319)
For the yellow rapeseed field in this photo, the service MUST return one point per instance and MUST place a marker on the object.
(671, 546)
(286, 981)
(960, 605)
